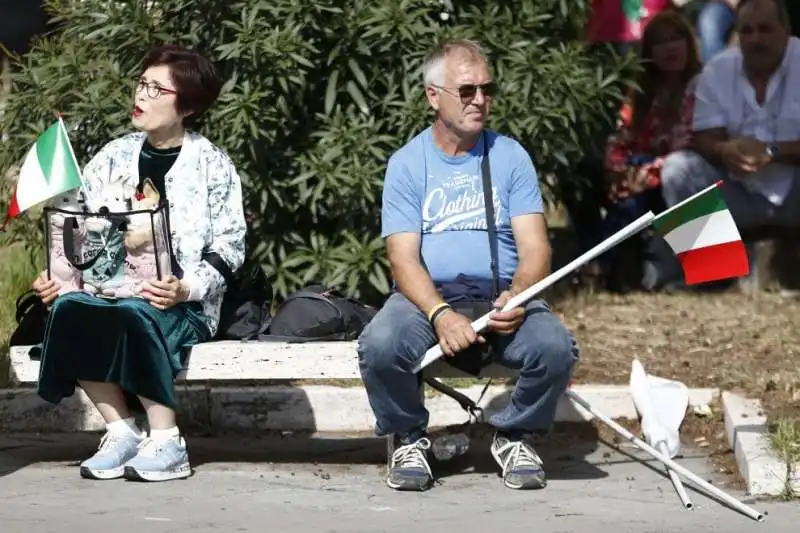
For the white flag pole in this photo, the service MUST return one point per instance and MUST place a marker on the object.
(522, 298)
(74, 159)
(669, 463)
(680, 490)
(680, 204)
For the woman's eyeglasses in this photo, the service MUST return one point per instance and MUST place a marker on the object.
(467, 92)
(154, 90)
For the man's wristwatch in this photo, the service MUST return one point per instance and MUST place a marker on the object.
(772, 151)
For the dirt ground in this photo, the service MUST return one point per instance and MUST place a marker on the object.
(727, 340)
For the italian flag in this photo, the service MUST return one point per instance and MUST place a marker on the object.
(702, 233)
(49, 169)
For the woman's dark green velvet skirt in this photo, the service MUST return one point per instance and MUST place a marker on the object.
(127, 342)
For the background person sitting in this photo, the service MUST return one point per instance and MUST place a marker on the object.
(653, 123)
(747, 124)
(124, 353)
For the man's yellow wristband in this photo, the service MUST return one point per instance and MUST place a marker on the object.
(437, 310)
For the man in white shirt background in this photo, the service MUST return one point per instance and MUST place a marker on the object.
(747, 124)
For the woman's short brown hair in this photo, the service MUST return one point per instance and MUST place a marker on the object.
(196, 80)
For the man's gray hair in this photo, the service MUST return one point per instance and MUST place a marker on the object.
(780, 5)
(433, 66)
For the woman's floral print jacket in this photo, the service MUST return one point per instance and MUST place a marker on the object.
(206, 213)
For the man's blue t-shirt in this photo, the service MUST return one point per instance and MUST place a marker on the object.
(440, 196)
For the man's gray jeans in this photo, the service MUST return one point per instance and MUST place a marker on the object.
(685, 173)
(542, 349)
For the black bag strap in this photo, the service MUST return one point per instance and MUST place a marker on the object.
(463, 400)
(70, 224)
(26, 301)
(219, 264)
(488, 200)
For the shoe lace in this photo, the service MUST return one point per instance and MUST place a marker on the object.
(107, 442)
(518, 454)
(413, 456)
(149, 447)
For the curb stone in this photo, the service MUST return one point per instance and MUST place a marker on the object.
(316, 408)
(329, 409)
(748, 434)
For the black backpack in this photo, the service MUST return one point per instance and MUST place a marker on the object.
(317, 313)
(31, 315)
(246, 304)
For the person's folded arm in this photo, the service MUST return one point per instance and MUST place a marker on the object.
(710, 143)
(709, 120)
(788, 153)
(228, 227)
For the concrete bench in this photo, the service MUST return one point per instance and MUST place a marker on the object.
(232, 361)
(220, 363)
(204, 391)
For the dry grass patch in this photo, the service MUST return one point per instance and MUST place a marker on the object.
(748, 345)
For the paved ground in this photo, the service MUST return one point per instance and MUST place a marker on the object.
(237, 488)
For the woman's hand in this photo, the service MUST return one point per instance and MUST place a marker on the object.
(163, 294)
(633, 180)
(639, 177)
(46, 289)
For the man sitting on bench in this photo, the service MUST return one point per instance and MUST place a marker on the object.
(435, 224)
(747, 124)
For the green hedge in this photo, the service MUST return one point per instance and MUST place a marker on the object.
(318, 95)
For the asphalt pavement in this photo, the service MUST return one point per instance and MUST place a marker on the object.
(336, 484)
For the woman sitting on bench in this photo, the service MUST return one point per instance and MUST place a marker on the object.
(126, 352)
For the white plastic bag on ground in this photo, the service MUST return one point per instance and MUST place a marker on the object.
(662, 404)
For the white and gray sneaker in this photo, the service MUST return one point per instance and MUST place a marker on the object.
(409, 469)
(160, 460)
(521, 466)
(116, 449)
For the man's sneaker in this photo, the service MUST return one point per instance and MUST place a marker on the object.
(409, 469)
(114, 451)
(159, 461)
(522, 467)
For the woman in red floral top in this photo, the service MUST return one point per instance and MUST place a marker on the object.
(656, 120)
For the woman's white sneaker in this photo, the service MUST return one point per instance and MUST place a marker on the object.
(116, 448)
(159, 460)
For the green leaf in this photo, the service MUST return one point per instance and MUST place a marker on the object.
(358, 73)
(330, 92)
(357, 96)
(316, 98)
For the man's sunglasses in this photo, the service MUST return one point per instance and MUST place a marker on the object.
(468, 91)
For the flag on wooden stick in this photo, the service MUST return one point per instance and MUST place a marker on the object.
(702, 233)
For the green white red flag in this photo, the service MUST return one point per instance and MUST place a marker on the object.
(49, 169)
(702, 233)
